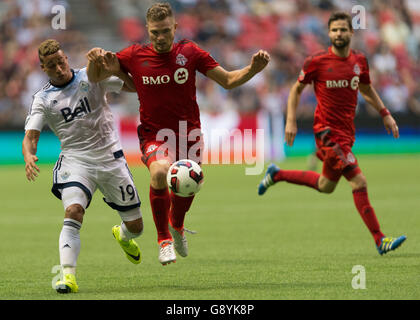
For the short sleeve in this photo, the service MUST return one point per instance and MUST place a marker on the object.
(205, 61)
(124, 58)
(364, 75)
(112, 84)
(308, 73)
(36, 115)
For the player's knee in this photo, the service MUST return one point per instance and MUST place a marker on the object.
(327, 189)
(358, 182)
(326, 186)
(158, 172)
(75, 212)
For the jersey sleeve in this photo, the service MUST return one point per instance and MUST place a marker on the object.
(124, 58)
(112, 84)
(36, 115)
(205, 61)
(308, 73)
(364, 75)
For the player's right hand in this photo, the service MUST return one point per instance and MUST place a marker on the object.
(290, 132)
(31, 168)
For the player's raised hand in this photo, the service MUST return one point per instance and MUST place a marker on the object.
(391, 126)
(290, 132)
(111, 63)
(96, 55)
(259, 61)
(31, 168)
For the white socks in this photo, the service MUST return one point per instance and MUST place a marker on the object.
(69, 245)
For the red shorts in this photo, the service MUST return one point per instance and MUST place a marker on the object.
(170, 149)
(335, 152)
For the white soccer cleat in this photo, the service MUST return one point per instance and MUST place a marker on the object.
(180, 241)
(166, 252)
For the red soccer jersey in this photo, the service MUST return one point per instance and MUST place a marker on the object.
(165, 83)
(336, 82)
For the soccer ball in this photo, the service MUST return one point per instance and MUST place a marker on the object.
(185, 178)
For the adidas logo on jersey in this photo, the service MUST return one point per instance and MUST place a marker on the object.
(82, 109)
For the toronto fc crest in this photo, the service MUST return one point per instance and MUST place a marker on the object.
(181, 60)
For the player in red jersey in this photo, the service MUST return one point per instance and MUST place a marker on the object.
(164, 76)
(336, 74)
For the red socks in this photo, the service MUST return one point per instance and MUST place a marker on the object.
(367, 213)
(180, 206)
(160, 203)
(306, 178)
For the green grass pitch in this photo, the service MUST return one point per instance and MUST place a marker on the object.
(292, 243)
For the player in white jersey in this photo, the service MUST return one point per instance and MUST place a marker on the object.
(77, 112)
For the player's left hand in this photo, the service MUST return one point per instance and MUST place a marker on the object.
(391, 126)
(259, 61)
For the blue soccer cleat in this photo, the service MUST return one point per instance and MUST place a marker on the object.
(388, 244)
(268, 179)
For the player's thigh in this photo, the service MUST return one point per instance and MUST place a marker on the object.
(153, 151)
(195, 147)
(117, 185)
(73, 183)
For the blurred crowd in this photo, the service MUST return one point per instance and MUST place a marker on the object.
(231, 31)
(23, 26)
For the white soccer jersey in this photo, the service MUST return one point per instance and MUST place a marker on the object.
(79, 116)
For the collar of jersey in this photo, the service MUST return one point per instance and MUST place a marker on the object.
(338, 57)
(66, 84)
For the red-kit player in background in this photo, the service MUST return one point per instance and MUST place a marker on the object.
(164, 75)
(337, 74)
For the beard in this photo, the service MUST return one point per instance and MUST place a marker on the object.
(340, 43)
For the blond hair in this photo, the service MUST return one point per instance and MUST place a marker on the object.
(47, 48)
(159, 11)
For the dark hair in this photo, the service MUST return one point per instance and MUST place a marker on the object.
(159, 11)
(340, 16)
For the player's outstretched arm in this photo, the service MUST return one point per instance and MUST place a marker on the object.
(29, 147)
(112, 65)
(371, 96)
(233, 79)
(103, 64)
(290, 130)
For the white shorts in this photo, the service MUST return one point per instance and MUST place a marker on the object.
(113, 179)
